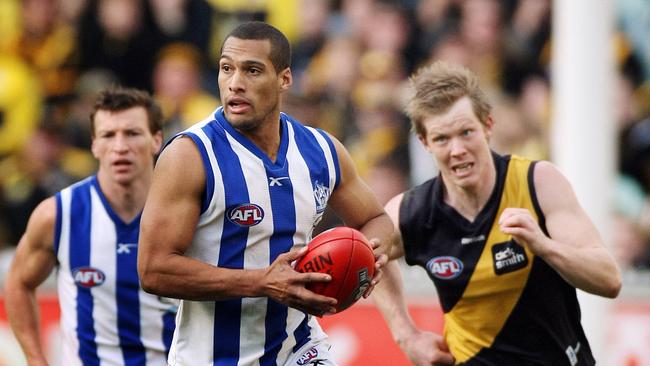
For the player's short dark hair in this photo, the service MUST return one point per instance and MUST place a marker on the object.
(118, 98)
(280, 55)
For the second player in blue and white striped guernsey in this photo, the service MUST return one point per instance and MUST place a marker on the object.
(235, 198)
(89, 233)
(106, 318)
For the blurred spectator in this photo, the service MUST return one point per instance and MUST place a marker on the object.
(20, 104)
(634, 20)
(28, 177)
(48, 45)
(313, 20)
(510, 132)
(177, 87)
(118, 35)
(480, 29)
(76, 126)
(187, 21)
(525, 38)
(389, 176)
(330, 79)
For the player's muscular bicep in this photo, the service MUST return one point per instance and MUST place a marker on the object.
(561, 207)
(174, 201)
(353, 200)
(35, 257)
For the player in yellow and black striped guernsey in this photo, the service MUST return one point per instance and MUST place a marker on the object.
(503, 238)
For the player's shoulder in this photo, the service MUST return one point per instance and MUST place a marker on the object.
(546, 172)
(46, 210)
(42, 221)
(178, 150)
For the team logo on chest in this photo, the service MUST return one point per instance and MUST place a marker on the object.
(445, 267)
(247, 214)
(508, 257)
(88, 277)
(321, 195)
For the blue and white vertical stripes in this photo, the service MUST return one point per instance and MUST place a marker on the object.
(254, 209)
(106, 319)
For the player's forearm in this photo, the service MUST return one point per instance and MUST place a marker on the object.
(590, 269)
(22, 310)
(186, 278)
(389, 299)
(380, 227)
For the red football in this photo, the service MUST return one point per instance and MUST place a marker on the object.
(346, 255)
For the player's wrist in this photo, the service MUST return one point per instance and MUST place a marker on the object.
(251, 283)
(403, 333)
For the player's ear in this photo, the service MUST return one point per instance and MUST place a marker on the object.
(157, 142)
(285, 79)
(93, 148)
(488, 126)
(423, 141)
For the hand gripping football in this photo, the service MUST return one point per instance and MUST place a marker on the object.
(346, 255)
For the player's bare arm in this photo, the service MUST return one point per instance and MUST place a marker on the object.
(396, 246)
(357, 206)
(421, 347)
(167, 228)
(34, 261)
(574, 249)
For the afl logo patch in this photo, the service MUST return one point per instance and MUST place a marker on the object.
(247, 214)
(88, 277)
(308, 356)
(445, 268)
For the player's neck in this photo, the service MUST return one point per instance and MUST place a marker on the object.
(267, 136)
(469, 201)
(126, 200)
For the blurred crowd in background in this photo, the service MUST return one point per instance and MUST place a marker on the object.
(351, 62)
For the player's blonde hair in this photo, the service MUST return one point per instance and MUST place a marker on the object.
(437, 87)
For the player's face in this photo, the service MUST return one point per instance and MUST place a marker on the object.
(124, 145)
(249, 86)
(458, 142)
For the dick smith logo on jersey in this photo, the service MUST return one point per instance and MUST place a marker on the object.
(445, 267)
(247, 214)
(88, 277)
(508, 257)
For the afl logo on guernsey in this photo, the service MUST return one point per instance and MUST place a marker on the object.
(308, 357)
(88, 277)
(445, 268)
(248, 214)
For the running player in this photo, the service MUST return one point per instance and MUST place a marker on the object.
(233, 199)
(503, 239)
(89, 232)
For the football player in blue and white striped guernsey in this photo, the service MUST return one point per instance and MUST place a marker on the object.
(234, 200)
(89, 232)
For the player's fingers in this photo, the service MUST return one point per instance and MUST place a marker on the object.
(512, 212)
(380, 261)
(379, 274)
(308, 277)
(504, 215)
(375, 280)
(444, 359)
(293, 254)
(316, 304)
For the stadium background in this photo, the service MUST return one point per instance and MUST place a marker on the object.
(351, 59)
